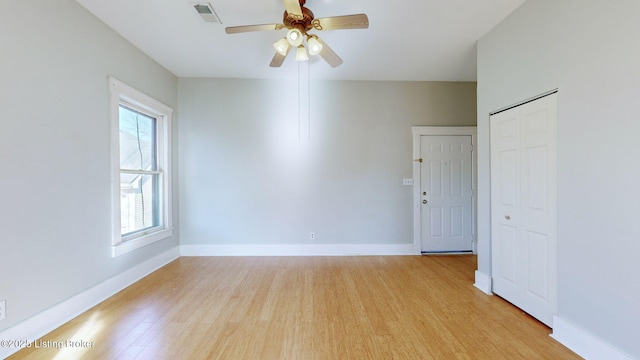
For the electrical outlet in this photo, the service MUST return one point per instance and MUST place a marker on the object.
(312, 236)
(3, 309)
(407, 182)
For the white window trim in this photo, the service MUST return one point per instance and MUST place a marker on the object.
(120, 93)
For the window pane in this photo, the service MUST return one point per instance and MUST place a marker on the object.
(137, 140)
(139, 199)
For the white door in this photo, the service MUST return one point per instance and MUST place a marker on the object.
(523, 206)
(446, 196)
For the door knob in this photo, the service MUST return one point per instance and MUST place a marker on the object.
(424, 201)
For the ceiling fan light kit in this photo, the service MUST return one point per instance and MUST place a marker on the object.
(299, 20)
(282, 46)
(314, 45)
(295, 37)
(301, 54)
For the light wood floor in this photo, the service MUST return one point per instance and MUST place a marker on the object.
(396, 307)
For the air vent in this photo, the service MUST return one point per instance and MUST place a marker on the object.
(206, 12)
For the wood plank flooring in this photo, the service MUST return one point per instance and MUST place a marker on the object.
(393, 307)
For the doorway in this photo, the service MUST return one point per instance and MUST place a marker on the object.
(444, 189)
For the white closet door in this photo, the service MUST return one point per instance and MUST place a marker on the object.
(524, 206)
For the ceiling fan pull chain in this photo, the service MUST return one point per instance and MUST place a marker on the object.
(299, 108)
(309, 99)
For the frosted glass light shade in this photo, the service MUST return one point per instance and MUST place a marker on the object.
(315, 47)
(294, 37)
(301, 55)
(282, 46)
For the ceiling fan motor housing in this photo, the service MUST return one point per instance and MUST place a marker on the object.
(304, 24)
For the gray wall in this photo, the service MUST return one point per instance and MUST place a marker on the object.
(247, 178)
(54, 151)
(590, 51)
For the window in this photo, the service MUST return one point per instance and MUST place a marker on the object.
(141, 169)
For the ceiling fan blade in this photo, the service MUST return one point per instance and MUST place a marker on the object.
(357, 21)
(249, 28)
(278, 59)
(328, 55)
(293, 8)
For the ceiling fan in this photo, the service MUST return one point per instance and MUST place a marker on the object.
(299, 20)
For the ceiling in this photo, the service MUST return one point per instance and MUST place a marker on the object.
(426, 40)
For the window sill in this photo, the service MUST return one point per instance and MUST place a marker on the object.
(139, 242)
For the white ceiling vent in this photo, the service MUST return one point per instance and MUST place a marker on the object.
(205, 10)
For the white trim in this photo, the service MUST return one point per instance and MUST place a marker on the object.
(52, 318)
(483, 282)
(583, 343)
(137, 243)
(121, 93)
(296, 250)
(138, 98)
(418, 131)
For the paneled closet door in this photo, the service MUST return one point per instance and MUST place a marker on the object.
(524, 206)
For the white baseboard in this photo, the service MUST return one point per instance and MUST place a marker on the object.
(52, 318)
(297, 250)
(483, 282)
(583, 343)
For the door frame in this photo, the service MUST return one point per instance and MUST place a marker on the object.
(419, 131)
